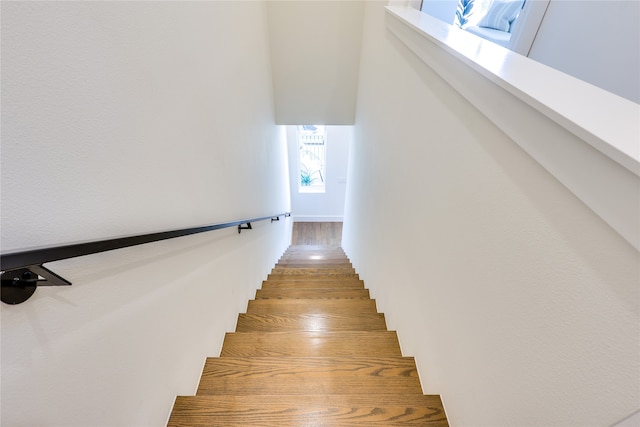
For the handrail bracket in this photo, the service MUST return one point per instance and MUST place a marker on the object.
(248, 227)
(18, 285)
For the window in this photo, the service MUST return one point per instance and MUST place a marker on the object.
(510, 23)
(504, 12)
(489, 19)
(311, 158)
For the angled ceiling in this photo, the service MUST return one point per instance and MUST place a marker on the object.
(315, 54)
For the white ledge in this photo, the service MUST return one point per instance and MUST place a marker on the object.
(606, 121)
(556, 118)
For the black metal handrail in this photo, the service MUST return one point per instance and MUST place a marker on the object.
(24, 270)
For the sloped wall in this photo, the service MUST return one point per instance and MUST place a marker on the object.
(122, 118)
(519, 303)
(315, 52)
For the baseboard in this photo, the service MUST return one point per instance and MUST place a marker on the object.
(316, 218)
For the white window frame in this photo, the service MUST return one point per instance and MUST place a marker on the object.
(526, 26)
(319, 174)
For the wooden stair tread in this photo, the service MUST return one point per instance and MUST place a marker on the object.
(317, 410)
(315, 284)
(295, 262)
(310, 375)
(277, 366)
(320, 264)
(315, 276)
(311, 322)
(308, 344)
(316, 263)
(313, 270)
(308, 415)
(312, 293)
(320, 249)
(310, 350)
(316, 257)
(318, 306)
(393, 399)
(314, 248)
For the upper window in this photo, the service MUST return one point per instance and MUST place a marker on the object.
(510, 23)
(490, 19)
(311, 158)
(496, 14)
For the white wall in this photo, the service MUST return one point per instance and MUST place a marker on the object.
(315, 52)
(122, 118)
(519, 303)
(596, 41)
(327, 206)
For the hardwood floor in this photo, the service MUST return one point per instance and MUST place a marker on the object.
(311, 350)
(317, 233)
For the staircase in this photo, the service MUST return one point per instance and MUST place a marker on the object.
(311, 350)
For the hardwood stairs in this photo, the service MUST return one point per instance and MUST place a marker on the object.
(311, 350)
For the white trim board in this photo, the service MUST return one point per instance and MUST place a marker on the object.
(319, 218)
(586, 137)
